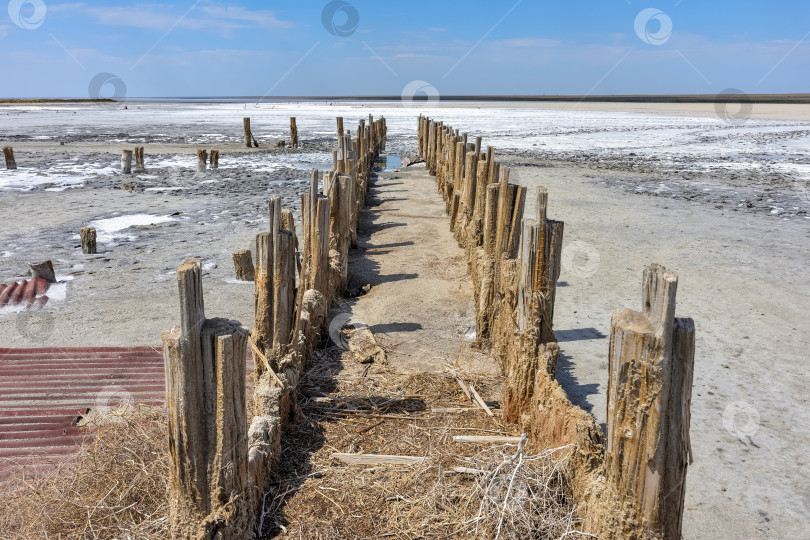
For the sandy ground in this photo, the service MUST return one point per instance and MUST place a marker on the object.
(742, 278)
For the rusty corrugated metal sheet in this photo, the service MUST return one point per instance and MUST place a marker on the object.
(44, 391)
(30, 293)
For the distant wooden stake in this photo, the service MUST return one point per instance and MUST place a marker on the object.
(88, 236)
(293, 133)
(8, 152)
(248, 133)
(215, 159)
(202, 160)
(139, 163)
(126, 162)
(243, 264)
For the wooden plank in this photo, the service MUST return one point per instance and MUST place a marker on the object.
(480, 401)
(486, 439)
(377, 459)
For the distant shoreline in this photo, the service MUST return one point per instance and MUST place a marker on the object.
(784, 99)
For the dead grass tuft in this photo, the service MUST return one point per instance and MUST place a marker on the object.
(115, 487)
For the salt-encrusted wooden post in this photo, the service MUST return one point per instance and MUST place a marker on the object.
(513, 245)
(340, 126)
(11, 163)
(248, 133)
(139, 163)
(284, 290)
(215, 159)
(88, 236)
(649, 392)
(205, 396)
(262, 336)
(320, 247)
(126, 162)
(202, 160)
(293, 132)
(243, 264)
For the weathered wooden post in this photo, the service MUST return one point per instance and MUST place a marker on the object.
(248, 134)
(649, 393)
(126, 162)
(43, 270)
(215, 159)
(139, 164)
(284, 290)
(340, 127)
(205, 396)
(262, 336)
(88, 236)
(243, 264)
(293, 132)
(11, 163)
(202, 160)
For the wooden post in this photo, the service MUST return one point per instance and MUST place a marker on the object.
(11, 163)
(248, 133)
(126, 162)
(528, 256)
(215, 159)
(320, 248)
(284, 290)
(468, 195)
(43, 270)
(185, 400)
(517, 216)
(263, 299)
(139, 164)
(205, 396)
(202, 160)
(649, 392)
(293, 133)
(340, 126)
(288, 224)
(243, 264)
(88, 236)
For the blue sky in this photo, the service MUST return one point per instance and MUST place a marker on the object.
(217, 48)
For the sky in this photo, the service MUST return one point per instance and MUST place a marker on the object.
(416, 47)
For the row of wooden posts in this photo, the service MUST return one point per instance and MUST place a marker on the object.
(630, 481)
(203, 162)
(221, 461)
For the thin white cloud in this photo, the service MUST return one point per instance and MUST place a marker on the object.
(220, 18)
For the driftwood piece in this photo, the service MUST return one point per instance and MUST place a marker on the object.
(480, 401)
(375, 459)
(243, 264)
(88, 236)
(486, 439)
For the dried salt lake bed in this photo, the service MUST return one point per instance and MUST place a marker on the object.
(724, 204)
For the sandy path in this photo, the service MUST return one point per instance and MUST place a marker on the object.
(421, 304)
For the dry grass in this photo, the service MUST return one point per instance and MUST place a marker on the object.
(510, 495)
(114, 488)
